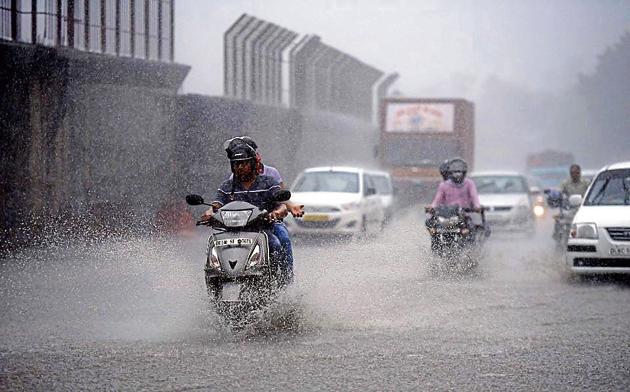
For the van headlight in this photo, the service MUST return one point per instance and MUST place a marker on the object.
(351, 206)
(584, 230)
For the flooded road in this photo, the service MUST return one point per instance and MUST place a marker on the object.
(363, 315)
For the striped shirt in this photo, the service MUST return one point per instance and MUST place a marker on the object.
(269, 171)
(262, 191)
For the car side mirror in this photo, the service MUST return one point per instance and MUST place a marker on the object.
(370, 191)
(575, 200)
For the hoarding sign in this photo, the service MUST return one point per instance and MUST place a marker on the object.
(419, 117)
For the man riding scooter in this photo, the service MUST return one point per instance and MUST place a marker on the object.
(247, 185)
(574, 185)
(297, 210)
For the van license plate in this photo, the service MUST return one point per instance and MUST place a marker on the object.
(315, 218)
(620, 251)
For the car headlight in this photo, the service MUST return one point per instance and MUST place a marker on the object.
(213, 259)
(235, 218)
(255, 257)
(351, 206)
(584, 230)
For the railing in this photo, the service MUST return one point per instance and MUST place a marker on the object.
(269, 64)
(130, 28)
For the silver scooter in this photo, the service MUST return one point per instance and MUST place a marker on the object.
(241, 274)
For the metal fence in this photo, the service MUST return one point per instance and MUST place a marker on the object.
(131, 28)
(269, 64)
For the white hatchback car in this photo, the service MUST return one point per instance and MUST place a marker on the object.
(507, 197)
(337, 200)
(599, 241)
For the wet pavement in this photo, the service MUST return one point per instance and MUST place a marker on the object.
(363, 315)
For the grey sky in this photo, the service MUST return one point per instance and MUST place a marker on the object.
(436, 46)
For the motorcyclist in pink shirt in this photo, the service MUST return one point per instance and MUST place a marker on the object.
(457, 190)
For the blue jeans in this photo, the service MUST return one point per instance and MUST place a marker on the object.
(280, 231)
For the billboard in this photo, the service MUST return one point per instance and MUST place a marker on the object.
(419, 117)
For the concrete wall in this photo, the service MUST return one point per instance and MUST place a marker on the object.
(83, 152)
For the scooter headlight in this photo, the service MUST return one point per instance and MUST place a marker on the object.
(235, 218)
(539, 210)
(255, 257)
(213, 259)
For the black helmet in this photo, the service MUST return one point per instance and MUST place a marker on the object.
(242, 153)
(457, 169)
(444, 170)
(238, 140)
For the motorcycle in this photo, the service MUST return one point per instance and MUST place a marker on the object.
(454, 238)
(563, 219)
(241, 275)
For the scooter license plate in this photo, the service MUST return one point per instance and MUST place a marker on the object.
(231, 291)
(234, 242)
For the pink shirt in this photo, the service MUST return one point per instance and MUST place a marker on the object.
(464, 194)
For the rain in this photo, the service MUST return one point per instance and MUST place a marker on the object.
(445, 240)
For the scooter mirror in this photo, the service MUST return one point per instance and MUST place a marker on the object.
(282, 195)
(194, 200)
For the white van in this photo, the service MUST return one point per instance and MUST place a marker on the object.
(339, 200)
(599, 241)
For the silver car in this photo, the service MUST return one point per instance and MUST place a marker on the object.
(507, 197)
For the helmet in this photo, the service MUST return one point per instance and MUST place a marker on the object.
(444, 170)
(457, 169)
(235, 141)
(241, 153)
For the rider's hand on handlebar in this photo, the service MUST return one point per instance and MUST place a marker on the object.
(279, 212)
(207, 215)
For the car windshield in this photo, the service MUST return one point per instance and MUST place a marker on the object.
(328, 182)
(611, 188)
(500, 184)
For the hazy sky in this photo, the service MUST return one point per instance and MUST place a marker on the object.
(437, 46)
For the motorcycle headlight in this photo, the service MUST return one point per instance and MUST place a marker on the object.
(584, 230)
(235, 218)
(539, 210)
(448, 221)
(255, 257)
(213, 259)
